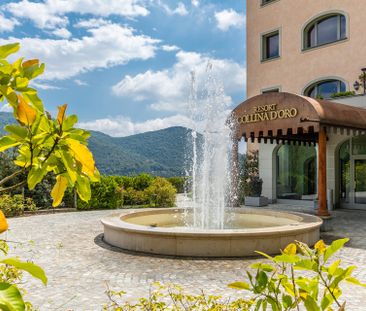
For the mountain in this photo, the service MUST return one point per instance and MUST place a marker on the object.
(159, 153)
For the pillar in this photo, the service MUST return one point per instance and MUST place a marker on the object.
(322, 173)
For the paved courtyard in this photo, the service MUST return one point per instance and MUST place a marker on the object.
(79, 265)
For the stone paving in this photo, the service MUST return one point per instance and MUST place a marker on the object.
(79, 265)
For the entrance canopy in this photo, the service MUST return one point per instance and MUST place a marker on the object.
(290, 117)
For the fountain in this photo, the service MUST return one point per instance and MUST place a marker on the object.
(209, 228)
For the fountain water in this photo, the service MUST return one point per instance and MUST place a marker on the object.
(208, 229)
(209, 144)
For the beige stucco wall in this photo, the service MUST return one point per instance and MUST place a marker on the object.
(296, 68)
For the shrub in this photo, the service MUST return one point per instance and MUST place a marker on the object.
(104, 195)
(15, 205)
(132, 196)
(343, 94)
(142, 181)
(161, 193)
(251, 183)
(178, 183)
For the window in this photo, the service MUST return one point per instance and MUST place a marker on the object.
(271, 90)
(271, 45)
(264, 2)
(324, 30)
(325, 89)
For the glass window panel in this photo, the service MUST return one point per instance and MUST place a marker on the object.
(343, 27)
(359, 145)
(360, 181)
(327, 89)
(272, 46)
(311, 37)
(276, 90)
(344, 157)
(311, 92)
(327, 30)
(296, 172)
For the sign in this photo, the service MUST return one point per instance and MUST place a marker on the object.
(268, 113)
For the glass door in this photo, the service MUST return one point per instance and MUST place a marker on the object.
(360, 181)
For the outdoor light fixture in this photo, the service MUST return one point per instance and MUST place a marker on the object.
(362, 78)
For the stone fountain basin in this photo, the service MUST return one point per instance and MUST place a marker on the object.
(163, 232)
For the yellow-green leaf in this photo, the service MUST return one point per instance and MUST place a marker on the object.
(35, 176)
(29, 267)
(83, 155)
(10, 298)
(25, 113)
(61, 113)
(83, 188)
(7, 142)
(240, 285)
(6, 50)
(58, 190)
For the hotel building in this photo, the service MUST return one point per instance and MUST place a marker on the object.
(305, 111)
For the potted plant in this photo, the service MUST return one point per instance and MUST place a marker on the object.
(251, 182)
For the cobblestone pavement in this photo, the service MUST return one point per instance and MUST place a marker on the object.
(78, 264)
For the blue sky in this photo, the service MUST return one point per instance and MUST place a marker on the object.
(123, 65)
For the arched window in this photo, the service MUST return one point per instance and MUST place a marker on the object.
(325, 88)
(325, 29)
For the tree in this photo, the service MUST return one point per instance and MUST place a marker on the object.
(43, 145)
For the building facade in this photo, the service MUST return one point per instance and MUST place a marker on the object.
(316, 49)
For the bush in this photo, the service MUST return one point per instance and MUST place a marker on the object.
(104, 195)
(132, 196)
(251, 183)
(142, 181)
(178, 183)
(16, 205)
(161, 193)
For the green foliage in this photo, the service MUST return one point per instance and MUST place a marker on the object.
(250, 182)
(161, 193)
(15, 205)
(104, 195)
(11, 280)
(43, 144)
(174, 298)
(343, 94)
(279, 286)
(133, 197)
(121, 191)
(179, 183)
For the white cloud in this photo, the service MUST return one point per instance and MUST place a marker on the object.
(6, 108)
(107, 46)
(229, 18)
(44, 86)
(7, 24)
(170, 48)
(179, 10)
(195, 3)
(92, 23)
(169, 89)
(50, 13)
(62, 33)
(121, 126)
(80, 82)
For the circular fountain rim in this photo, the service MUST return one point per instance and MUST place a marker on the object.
(305, 223)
